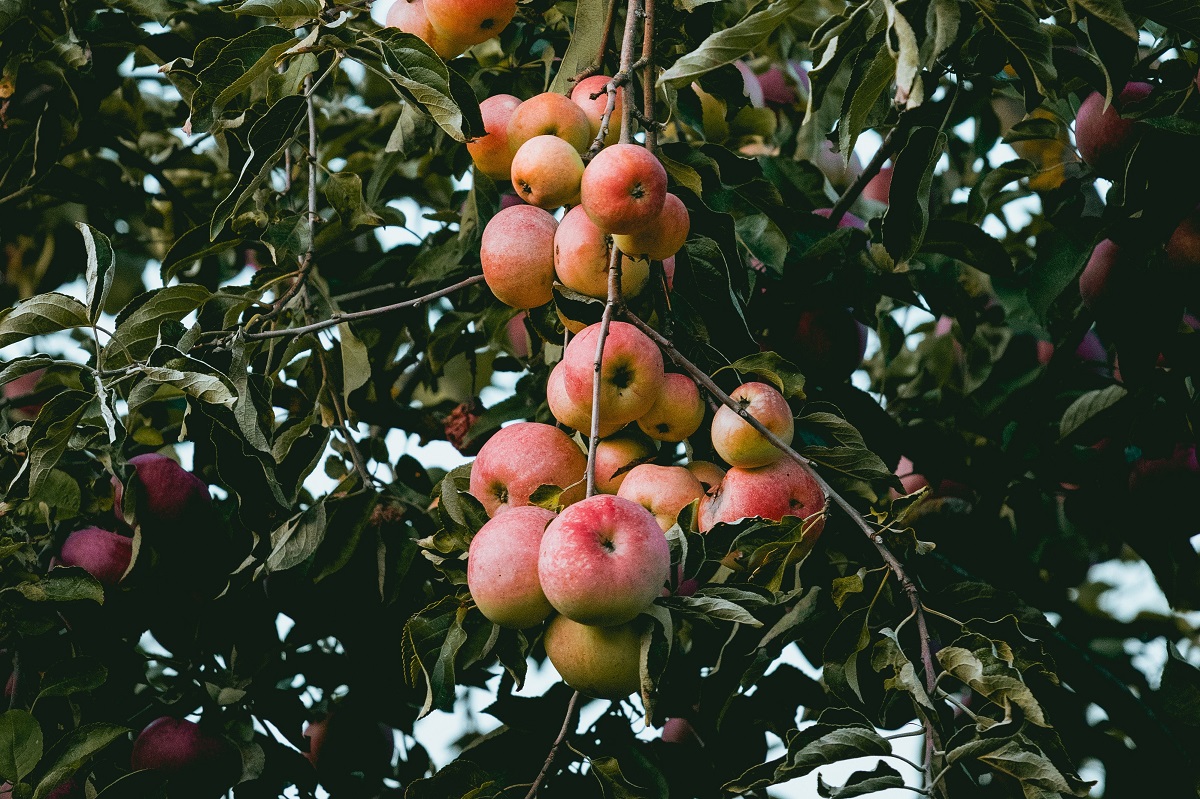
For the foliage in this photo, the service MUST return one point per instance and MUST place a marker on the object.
(171, 138)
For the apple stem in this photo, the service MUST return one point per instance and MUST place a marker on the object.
(614, 298)
(893, 563)
(562, 736)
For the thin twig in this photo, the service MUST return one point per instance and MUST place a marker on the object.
(648, 77)
(614, 298)
(338, 318)
(620, 79)
(890, 142)
(562, 736)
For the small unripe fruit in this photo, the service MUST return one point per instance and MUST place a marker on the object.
(104, 555)
(517, 254)
(581, 95)
(492, 152)
(550, 114)
(663, 237)
(197, 764)
(546, 172)
(624, 188)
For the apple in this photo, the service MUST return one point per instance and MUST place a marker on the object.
(1183, 248)
(737, 442)
(601, 662)
(581, 95)
(909, 477)
(663, 237)
(779, 85)
(1104, 137)
(470, 21)
(624, 188)
(520, 342)
(662, 490)
(1098, 285)
(848, 219)
(751, 85)
(617, 454)
(197, 763)
(574, 412)
(829, 342)
(546, 171)
(679, 731)
(1166, 483)
(879, 188)
(522, 457)
(550, 114)
(169, 493)
(603, 561)
(517, 254)
(491, 152)
(840, 171)
(410, 16)
(502, 568)
(771, 492)
(71, 789)
(631, 376)
(709, 474)
(24, 386)
(678, 411)
(104, 555)
(581, 255)
(346, 743)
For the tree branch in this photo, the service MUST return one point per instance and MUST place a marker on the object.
(620, 79)
(648, 77)
(890, 142)
(614, 299)
(562, 736)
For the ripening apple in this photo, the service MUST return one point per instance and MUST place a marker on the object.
(522, 457)
(751, 85)
(517, 254)
(546, 172)
(594, 108)
(410, 16)
(663, 237)
(169, 493)
(502, 568)
(617, 454)
(709, 474)
(104, 555)
(912, 480)
(1103, 136)
(829, 342)
(779, 87)
(601, 662)
(1183, 248)
(624, 188)
(470, 21)
(574, 412)
(23, 386)
(848, 219)
(72, 788)
(662, 490)
(840, 171)
(550, 114)
(771, 492)
(1097, 283)
(346, 743)
(581, 256)
(631, 374)
(197, 763)
(491, 152)
(879, 188)
(737, 442)
(603, 561)
(678, 411)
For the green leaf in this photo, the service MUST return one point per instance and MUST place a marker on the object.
(344, 192)
(773, 368)
(215, 390)
(233, 70)
(1088, 406)
(420, 72)
(73, 676)
(906, 52)
(356, 366)
(297, 539)
(862, 783)
(987, 670)
(1023, 760)
(967, 243)
(62, 584)
(193, 246)
(73, 750)
(844, 587)
(19, 367)
(888, 654)
(101, 262)
(1033, 129)
(873, 73)
(138, 323)
(293, 10)
(51, 432)
(20, 745)
(904, 223)
(726, 46)
(711, 607)
(1028, 40)
(613, 783)
(1181, 14)
(586, 34)
(982, 194)
(40, 315)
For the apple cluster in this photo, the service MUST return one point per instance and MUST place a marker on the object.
(450, 27)
(590, 570)
(618, 199)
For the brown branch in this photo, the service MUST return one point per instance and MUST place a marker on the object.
(338, 318)
(648, 77)
(614, 299)
(623, 76)
(890, 142)
(893, 563)
(596, 65)
(562, 736)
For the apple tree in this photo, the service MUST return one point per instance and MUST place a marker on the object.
(795, 379)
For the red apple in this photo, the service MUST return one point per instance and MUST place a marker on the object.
(879, 188)
(1097, 283)
(502, 568)
(546, 172)
(909, 477)
(518, 336)
(346, 743)
(624, 188)
(470, 21)
(829, 343)
(663, 237)
(104, 555)
(779, 86)
(575, 413)
(679, 731)
(492, 154)
(197, 763)
(631, 375)
(662, 490)
(601, 662)
(23, 386)
(669, 272)
(1104, 137)
(550, 114)
(410, 16)
(581, 256)
(581, 95)
(1183, 248)
(169, 493)
(517, 254)
(603, 561)
(710, 475)
(616, 455)
(737, 442)
(771, 492)
(848, 219)
(522, 457)
(678, 411)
